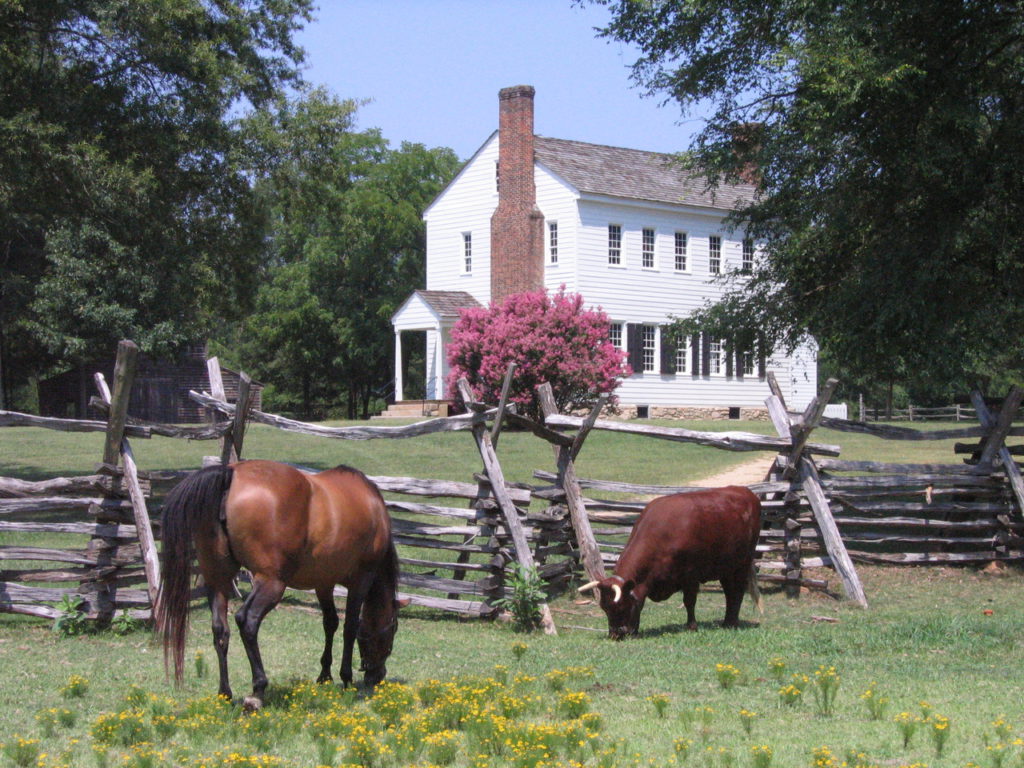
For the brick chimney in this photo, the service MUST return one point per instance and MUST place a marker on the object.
(517, 226)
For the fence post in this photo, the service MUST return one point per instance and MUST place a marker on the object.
(508, 508)
(233, 447)
(124, 376)
(565, 456)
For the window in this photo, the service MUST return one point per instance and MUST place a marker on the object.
(647, 249)
(748, 363)
(552, 242)
(649, 342)
(467, 252)
(615, 335)
(497, 176)
(717, 358)
(683, 355)
(680, 251)
(748, 256)
(715, 254)
(614, 243)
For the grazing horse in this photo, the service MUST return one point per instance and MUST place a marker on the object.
(289, 529)
(678, 542)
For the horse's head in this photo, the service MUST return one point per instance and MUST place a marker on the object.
(376, 637)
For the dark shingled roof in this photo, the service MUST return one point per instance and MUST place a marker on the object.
(448, 303)
(633, 173)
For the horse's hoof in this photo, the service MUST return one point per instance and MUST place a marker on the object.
(324, 679)
(251, 704)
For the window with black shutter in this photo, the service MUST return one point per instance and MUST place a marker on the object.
(668, 353)
(635, 347)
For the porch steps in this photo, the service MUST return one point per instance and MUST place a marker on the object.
(406, 409)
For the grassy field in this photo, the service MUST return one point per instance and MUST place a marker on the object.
(936, 642)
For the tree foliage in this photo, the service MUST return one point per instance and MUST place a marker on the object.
(121, 214)
(888, 143)
(551, 339)
(344, 245)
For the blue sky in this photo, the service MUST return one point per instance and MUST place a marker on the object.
(433, 69)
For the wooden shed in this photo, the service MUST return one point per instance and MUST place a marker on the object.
(160, 392)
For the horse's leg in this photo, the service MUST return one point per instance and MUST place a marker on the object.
(265, 594)
(330, 612)
(218, 599)
(353, 607)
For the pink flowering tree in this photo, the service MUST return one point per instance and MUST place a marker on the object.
(550, 338)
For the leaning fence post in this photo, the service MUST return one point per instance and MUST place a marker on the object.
(124, 376)
(508, 508)
(593, 563)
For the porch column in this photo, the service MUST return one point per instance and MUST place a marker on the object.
(398, 366)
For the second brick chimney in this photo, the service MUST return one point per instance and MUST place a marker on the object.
(517, 226)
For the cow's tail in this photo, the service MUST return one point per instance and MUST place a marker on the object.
(196, 498)
(755, 591)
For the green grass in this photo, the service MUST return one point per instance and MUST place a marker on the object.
(925, 638)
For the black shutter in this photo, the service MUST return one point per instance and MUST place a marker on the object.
(695, 355)
(705, 355)
(739, 352)
(727, 351)
(762, 362)
(635, 346)
(668, 352)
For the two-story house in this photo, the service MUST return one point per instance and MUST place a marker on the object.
(624, 228)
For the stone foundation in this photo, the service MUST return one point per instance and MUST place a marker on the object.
(689, 413)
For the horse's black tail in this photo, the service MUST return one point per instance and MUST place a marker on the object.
(196, 498)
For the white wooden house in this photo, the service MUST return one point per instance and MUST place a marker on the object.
(625, 229)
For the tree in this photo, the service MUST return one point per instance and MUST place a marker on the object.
(345, 245)
(887, 141)
(550, 338)
(121, 214)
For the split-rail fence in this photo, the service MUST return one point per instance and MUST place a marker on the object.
(459, 541)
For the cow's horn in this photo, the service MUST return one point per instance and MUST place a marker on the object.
(588, 586)
(617, 590)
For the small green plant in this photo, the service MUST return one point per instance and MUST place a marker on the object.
(790, 695)
(556, 679)
(21, 752)
(1002, 728)
(519, 649)
(906, 724)
(875, 701)
(124, 624)
(939, 731)
(761, 756)
(747, 718)
(71, 619)
(526, 599)
(75, 688)
(826, 686)
(442, 747)
(777, 669)
(573, 704)
(660, 702)
(200, 664)
(727, 675)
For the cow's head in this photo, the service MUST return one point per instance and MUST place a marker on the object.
(619, 603)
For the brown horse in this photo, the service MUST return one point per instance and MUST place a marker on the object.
(289, 529)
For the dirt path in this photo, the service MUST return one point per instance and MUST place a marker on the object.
(748, 472)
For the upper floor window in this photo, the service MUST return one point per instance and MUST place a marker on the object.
(649, 344)
(497, 176)
(552, 242)
(715, 254)
(615, 335)
(647, 249)
(680, 252)
(748, 256)
(614, 243)
(467, 252)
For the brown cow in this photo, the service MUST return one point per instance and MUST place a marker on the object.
(677, 543)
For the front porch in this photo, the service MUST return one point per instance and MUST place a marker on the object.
(408, 409)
